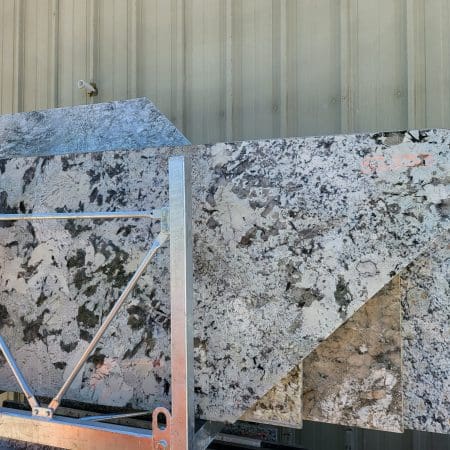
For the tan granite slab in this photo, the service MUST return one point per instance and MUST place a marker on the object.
(354, 377)
(282, 405)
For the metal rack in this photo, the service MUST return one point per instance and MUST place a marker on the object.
(43, 426)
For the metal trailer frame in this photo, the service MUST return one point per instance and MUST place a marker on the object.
(43, 426)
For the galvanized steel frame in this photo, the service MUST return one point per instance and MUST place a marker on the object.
(43, 426)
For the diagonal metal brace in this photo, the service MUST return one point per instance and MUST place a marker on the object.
(41, 427)
(18, 375)
(157, 244)
(163, 216)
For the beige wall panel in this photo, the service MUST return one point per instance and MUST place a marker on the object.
(159, 55)
(111, 61)
(255, 110)
(437, 41)
(8, 37)
(205, 70)
(313, 86)
(38, 71)
(380, 63)
(73, 50)
(236, 69)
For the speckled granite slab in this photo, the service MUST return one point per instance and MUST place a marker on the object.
(332, 394)
(128, 124)
(291, 237)
(282, 405)
(426, 334)
(354, 378)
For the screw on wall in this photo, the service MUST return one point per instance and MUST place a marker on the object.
(90, 88)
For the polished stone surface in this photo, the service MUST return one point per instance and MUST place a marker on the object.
(291, 237)
(337, 374)
(282, 405)
(426, 340)
(354, 378)
(128, 124)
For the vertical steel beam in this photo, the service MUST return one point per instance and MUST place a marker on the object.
(180, 226)
(178, 434)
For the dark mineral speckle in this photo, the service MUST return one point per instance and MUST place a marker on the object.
(77, 260)
(70, 347)
(32, 329)
(343, 296)
(4, 316)
(28, 177)
(97, 358)
(87, 317)
(136, 318)
(61, 365)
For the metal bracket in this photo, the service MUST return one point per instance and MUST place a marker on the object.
(43, 427)
(46, 413)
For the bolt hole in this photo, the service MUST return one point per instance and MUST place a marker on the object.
(161, 421)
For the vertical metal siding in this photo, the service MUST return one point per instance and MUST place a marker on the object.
(437, 45)
(205, 71)
(8, 63)
(236, 69)
(313, 73)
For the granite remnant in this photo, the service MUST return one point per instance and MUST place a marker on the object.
(282, 405)
(425, 297)
(426, 340)
(354, 377)
(127, 124)
(291, 237)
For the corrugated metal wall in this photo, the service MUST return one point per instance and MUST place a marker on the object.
(234, 69)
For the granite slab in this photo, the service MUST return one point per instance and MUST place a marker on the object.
(354, 378)
(127, 124)
(291, 237)
(426, 340)
(282, 405)
(337, 395)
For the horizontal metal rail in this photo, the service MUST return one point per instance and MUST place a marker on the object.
(113, 416)
(156, 214)
(63, 432)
